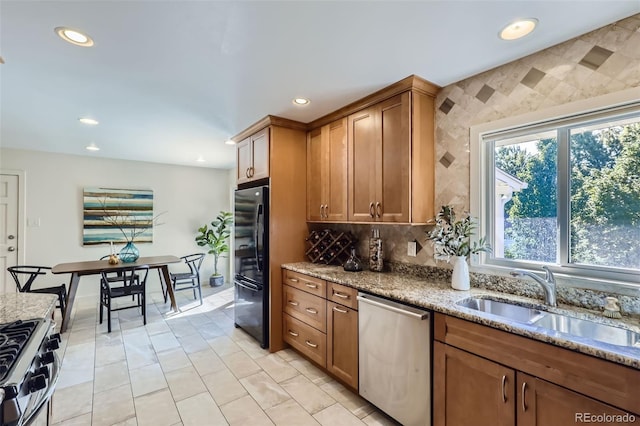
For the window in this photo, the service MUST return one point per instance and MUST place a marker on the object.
(562, 192)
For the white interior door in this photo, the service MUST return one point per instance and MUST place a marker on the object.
(8, 230)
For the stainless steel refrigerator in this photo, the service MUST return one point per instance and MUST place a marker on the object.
(251, 262)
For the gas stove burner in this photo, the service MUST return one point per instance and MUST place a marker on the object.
(13, 339)
(28, 369)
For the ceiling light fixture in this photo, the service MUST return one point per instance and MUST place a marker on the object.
(301, 101)
(230, 142)
(518, 29)
(89, 121)
(92, 147)
(74, 36)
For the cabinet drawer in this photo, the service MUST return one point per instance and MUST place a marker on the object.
(304, 282)
(343, 295)
(306, 307)
(306, 339)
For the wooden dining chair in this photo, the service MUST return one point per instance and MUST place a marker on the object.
(188, 280)
(132, 283)
(25, 275)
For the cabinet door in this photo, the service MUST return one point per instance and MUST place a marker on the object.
(342, 343)
(315, 185)
(260, 154)
(469, 390)
(335, 179)
(364, 137)
(394, 162)
(243, 161)
(540, 403)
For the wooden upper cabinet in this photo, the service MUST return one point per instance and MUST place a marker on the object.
(394, 164)
(388, 167)
(380, 163)
(252, 157)
(327, 172)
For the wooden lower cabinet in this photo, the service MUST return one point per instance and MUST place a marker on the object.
(540, 403)
(478, 379)
(320, 320)
(470, 390)
(342, 343)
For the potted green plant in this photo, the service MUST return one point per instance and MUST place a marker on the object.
(215, 237)
(452, 240)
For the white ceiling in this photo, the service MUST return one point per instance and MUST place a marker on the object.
(172, 80)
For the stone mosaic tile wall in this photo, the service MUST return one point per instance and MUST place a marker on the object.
(600, 62)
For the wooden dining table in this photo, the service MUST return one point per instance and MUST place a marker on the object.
(95, 267)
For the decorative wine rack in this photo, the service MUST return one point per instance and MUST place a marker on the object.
(329, 246)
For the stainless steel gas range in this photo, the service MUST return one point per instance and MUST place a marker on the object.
(29, 369)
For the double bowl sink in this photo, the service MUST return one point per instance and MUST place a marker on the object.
(555, 322)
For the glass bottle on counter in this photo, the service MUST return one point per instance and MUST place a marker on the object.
(375, 251)
(353, 264)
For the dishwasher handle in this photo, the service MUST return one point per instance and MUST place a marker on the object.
(391, 306)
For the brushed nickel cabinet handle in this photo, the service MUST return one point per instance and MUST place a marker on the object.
(294, 334)
(293, 280)
(313, 345)
(293, 303)
(326, 211)
(311, 285)
(524, 398)
(311, 311)
(504, 389)
(371, 211)
(252, 171)
(340, 295)
(378, 209)
(321, 211)
(340, 310)
(246, 173)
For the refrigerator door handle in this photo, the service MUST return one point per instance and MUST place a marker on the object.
(259, 212)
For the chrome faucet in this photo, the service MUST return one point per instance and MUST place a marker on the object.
(548, 284)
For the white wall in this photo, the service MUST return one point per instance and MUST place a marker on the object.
(191, 197)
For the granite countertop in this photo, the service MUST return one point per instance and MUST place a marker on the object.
(438, 296)
(24, 306)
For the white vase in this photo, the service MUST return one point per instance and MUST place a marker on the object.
(460, 276)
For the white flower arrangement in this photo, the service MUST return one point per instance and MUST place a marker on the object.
(452, 238)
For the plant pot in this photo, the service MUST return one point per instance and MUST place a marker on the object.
(216, 280)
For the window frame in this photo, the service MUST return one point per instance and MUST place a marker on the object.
(482, 184)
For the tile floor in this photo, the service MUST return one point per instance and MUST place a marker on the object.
(190, 368)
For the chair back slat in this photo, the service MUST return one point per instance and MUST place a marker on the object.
(25, 275)
(194, 261)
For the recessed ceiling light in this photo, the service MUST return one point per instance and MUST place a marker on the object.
(230, 142)
(74, 36)
(200, 159)
(518, 29)
(89, 121)
(92, 147)
(301, 101)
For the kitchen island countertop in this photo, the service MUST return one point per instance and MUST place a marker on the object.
(438, 296)
(24, 306)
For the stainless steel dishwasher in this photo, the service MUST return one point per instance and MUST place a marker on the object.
(395, 359)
